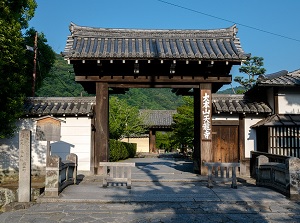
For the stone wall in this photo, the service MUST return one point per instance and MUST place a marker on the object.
(284, 178)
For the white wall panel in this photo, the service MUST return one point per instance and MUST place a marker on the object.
(250, 136)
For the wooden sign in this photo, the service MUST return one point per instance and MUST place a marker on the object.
(205, 103)
(48, 129)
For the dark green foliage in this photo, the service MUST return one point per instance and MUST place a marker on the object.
(183, 127)
(152, 98)
(131, 148)
(120, 150)
(61, 81)
(14, 16)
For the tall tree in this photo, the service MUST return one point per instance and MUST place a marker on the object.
(183, 127)
(14, 16)
(124, 120)
(252, 67)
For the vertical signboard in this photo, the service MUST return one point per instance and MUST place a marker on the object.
(206, 111)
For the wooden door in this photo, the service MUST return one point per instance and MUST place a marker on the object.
(225, 143)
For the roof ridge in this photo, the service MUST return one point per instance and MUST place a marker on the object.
(86, 31)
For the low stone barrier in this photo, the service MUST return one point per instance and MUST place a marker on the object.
(221, 172)
(116, 172)
(284, 178)
(60, 174)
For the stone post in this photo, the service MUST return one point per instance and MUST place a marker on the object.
(259, 161)
(52, 176)
(73, 158)
(293, 167)
(24, 166)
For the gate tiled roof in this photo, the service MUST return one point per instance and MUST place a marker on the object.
(102, 43)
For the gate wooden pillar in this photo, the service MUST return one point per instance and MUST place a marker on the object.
(101, 125)
(205, 126)
(197, 126)
(152, 140)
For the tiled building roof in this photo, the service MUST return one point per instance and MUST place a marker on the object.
(103, 43)
(158, 118)
(279, 120)
(281, 78)
(83, 106)
(59, 106)
(224, 103)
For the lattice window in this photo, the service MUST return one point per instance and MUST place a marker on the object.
(284, 140)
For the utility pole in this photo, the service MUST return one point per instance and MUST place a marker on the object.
(34, 64)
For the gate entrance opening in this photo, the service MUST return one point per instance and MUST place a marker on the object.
(191, 62)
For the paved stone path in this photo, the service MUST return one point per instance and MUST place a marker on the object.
(163, 190)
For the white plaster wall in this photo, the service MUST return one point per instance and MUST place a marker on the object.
(75, 138)
(142, 144)
(289, 103)
(250, 135)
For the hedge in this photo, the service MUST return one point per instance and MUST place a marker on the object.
(121, 150)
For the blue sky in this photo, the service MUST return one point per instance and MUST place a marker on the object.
(272, 16)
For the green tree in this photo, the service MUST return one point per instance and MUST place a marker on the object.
(252, 67)
(14, 16)
(124, 120)
(183, 127)
(164, 140)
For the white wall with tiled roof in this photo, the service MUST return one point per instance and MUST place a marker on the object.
(75, 138)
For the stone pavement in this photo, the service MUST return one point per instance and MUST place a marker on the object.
(163, 190)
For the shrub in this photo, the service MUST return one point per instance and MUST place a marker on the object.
(121, 150)
(131, 148)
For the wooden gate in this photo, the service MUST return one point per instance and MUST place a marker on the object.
(225, 143)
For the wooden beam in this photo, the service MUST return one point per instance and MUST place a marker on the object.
(154, 79)
(137, 85)
(225, 122)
